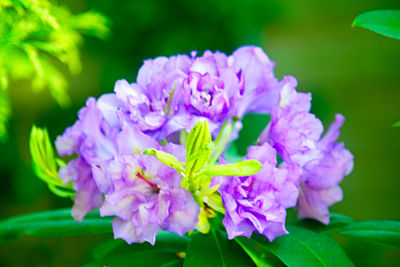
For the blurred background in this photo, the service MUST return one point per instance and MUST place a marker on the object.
(348, 70)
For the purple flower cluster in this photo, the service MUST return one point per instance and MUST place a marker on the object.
(111, 172)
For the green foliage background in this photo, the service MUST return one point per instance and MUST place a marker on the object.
(349, 70)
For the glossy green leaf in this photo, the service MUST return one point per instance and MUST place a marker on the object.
(215, 249)
(165, 158)
(397, 124)
(164, 239)
(141, 257)
(167, 251)
(385, 22)
(242, 168)
(302, 247)
(336, 221)
(258, 253)
(55, 223)
(386, 233)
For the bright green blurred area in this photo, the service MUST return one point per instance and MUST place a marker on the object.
(349, 70)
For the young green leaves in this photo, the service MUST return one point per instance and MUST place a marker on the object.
(198, 148)
(242, 168)
(166, 158)
(45, 165)
(200, 167)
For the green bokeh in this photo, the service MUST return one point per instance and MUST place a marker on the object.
(348, 70)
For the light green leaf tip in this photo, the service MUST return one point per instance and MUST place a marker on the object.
(165, 158)
(397, 124)
(385, 22)
(242, 168)
(45, 165)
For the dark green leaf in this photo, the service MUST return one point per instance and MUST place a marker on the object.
(163, 253)
(303, 248)
(336, 221)
(164, 240)
(214, 249)
(141, 257)
(383, 232)
(54, 223)
(256, 251)
(385, 22)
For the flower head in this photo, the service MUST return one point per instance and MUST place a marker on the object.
(258, 203)
(293, 130)
(147, 195)
(261, 90)
(156, 96)
(213, 88)
(321, 177)
(93, 140)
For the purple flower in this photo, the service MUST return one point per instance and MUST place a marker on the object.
(319, 188)
(212, 88)
(258, 203)
(147, 195)
(93, 139)
(293, 130)
(262, 89)
(156, 96)
(295, 133)
(87, 196)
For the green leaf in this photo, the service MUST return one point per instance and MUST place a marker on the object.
(55, 223)
(5, 110)
(214, 249)
(339, 219)
(256, 251)
(92, 23)
(198, 147)
(164, 253)
(222, 140)
(385, 22)
(165, 158)
(383, 232)
(242, 168)
(302, 247)
(336, 221)
(397, 124)
(45, 164)
(141, 257)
